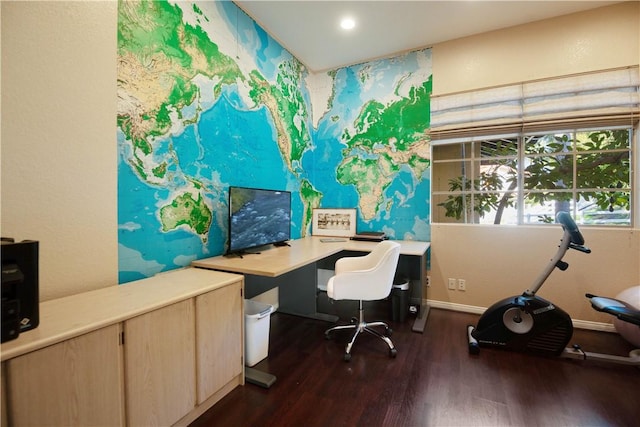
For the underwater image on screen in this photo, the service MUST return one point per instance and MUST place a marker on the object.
(258, 217)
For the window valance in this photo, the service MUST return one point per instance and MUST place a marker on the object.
(602, 98)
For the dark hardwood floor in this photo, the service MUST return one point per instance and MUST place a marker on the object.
(432, 382)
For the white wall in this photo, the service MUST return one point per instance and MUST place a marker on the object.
(502, 261)
(499, 261)
(59, 159)
(606, 37)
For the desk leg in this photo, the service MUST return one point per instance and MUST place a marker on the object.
(420, 323)
(423, 313)
(259, 378)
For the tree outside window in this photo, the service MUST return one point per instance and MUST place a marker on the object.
(527, 179)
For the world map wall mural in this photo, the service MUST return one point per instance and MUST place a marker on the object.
(208, 100)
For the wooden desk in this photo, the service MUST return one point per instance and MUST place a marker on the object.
(297, 263)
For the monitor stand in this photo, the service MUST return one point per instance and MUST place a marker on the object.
(240, 254)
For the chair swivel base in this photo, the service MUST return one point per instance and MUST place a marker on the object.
(363, 326)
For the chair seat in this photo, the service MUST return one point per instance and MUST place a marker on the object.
(365, 278)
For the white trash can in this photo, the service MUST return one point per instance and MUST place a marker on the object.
(256, 331)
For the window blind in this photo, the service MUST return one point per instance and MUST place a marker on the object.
(602, 98)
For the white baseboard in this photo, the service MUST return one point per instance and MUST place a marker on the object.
(594, 326)
(579, 324)
(455, 307)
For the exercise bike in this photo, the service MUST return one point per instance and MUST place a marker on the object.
(528, 323)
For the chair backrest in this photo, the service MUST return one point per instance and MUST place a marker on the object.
(368, 277)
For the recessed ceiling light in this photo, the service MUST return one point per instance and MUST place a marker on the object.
(347, 23)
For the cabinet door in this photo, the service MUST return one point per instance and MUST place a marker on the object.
(219, 338)
(160, 372)
(76, 382)
(3, 395)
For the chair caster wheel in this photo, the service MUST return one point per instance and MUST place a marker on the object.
(393, 352)
(347, 357)
(354, 320)
(327, 336)
(474, 348)
(388, 332)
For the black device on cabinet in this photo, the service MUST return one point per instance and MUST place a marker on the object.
(20, 294)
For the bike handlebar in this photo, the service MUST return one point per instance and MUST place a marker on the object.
(570, 225)
(571, 239)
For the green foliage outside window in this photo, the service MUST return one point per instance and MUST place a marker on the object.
(586, 170)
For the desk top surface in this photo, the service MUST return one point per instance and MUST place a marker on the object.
(273, 261)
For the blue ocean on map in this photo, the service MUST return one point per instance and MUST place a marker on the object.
(203, 150)
(231, 143)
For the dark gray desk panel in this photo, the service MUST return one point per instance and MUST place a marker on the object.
(296, 294)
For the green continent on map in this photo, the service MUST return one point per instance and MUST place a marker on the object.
(370, 177)
(311, 199)
(157, 63)
(288, 110)
(184, 210)
(163, 65)
(385, 139)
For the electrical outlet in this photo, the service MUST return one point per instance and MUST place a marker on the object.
(462, 285)
(428, 281)
(452, 283)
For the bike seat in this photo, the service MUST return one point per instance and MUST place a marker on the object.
(620, 309)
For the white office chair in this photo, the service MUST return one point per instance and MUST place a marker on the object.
(365, 278)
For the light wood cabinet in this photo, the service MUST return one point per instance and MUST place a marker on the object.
(220, 340)
(160, 351)
(76, 382)
(160, 365)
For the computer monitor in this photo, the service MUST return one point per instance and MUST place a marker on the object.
(258, 217)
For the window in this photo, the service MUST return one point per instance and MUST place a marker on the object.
(519, 153)
(526, 178)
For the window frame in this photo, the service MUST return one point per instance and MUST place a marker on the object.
(521, 137)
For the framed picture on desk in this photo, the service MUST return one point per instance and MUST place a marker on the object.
(334, 222)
